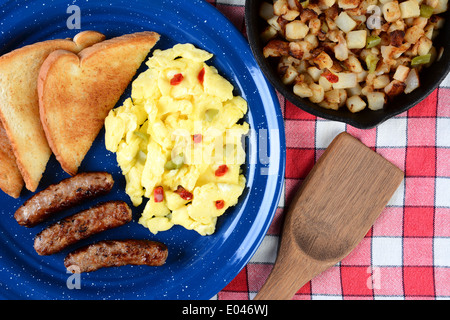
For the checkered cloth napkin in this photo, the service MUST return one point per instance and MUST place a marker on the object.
(406, 254)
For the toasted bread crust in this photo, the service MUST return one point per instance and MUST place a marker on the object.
(11, 181)
(19, 104)
(76, 92)
(47, 125)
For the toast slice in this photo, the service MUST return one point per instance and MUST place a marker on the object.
(11, 181)
(77, 91)
(19, 103)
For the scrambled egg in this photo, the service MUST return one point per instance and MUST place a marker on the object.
(178, 141)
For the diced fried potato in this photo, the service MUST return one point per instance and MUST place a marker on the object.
(273, 22)
(318, 93)
(308, 14)
(391, 11)
(282, 67)
(290, 15)
(314, 7)
(398, 25)
(325, 4)
(289, 60)
(359, 18)
(356, 39)
(314, 26)
(325, 84)
(266, 10)
(376, 51)
(323, 61)
(361, 76)
(413, 34)
(376, 100)
(400, 50)
(314, 72)
(424, 46)
(370, 79)
(346, 80)
(366, 90)
(300, 49)
(282, 23)
(420, 22)
(355, 104)
(353, 64)
(441, 7)
(412, 81)
(381, 81)
(308, 79)
(401, 61)
(337, 67)
(290, 75)
(354, 91)
(334, 35)
(312, 39)
(365, 4)
(432, 3)
(409, 9)
(328, 105)
(429, 31)
(331, 24)
(268, 34)
(394, 88)
(280, 7)
(345, 23)
(342, 97)
(348, 4)
(301, 67)
(401, 73)
(294, 5)
(296, 30)
(390, 52)
(341, 50)
(302, 90)
(333, 96)
(383, 68)
(409, 21)
(276, 48)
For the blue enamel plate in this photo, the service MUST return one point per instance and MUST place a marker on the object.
(197, 267)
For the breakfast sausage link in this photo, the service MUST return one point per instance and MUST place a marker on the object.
(63, 195)
(115, 253)
(82, 225)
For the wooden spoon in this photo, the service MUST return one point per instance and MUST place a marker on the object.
(331, 213)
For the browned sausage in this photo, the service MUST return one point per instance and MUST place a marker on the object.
(82, 225)
(115, 253)
(63, 195)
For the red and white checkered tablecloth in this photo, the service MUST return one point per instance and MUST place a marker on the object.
(406, 254)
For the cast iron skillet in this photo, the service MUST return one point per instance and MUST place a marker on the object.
(430, 77)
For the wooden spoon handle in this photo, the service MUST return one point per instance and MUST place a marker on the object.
(288, 275)
(279, 286)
